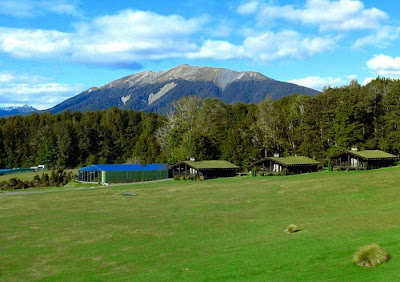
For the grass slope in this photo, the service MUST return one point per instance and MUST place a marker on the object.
(224, 229)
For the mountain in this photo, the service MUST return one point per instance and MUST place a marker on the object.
(12, 111)
(155, 91)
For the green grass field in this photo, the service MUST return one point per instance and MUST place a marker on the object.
(28, 176)
(223, 229)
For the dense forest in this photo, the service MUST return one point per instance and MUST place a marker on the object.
(339, 118)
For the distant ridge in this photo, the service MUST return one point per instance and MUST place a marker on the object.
(12, 111)
(155, 91)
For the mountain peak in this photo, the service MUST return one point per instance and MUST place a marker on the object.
(156, 91)
(220, 76)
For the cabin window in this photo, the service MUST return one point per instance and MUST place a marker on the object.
(353, 162)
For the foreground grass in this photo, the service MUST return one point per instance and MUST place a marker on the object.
(224, 229)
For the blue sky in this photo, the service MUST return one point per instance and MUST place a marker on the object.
(51, 50)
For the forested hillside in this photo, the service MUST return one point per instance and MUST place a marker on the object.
(339, 118)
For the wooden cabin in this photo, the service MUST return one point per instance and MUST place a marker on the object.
(291, 165)
(363, 159)
(207, 169)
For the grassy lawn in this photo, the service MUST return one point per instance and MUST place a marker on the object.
(223, 229)
(27, 176)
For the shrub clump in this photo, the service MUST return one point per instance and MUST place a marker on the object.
(330, 167)
(291, 229)
(370, 256)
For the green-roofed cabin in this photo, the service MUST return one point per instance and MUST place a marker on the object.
(291, 165)
(363, 159)
(207, 169)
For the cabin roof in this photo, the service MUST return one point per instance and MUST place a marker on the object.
(295, 160)
(369, 154)
(291, 160)
(212, 164)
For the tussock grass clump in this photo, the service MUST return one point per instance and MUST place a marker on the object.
(291, 229)
(370, 256)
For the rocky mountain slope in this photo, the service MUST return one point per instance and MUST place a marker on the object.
(156, 91)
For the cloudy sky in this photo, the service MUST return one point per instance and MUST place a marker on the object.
(51, 50)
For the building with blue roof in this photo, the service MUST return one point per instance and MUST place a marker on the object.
(15, 170)
(122, 173)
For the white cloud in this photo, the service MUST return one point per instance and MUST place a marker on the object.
(330, 16)
(62, 7)
(120, 39)
(271, 46)
(381, 38)
(267, 46)
(135, 35)
(318, 83)
(385, 65)
(268, 13)
(217, 50)
(342, 15)
(248, 8)
(27, 43)
(11, 77)
(16, 8)
(33, 8)
(6, 77)
(368, 80)
(326, 14)
(128, 37)
(33, 90)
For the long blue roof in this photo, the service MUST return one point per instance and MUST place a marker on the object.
(124, 167)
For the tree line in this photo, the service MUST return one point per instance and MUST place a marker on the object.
(70, 140)
(367, 117)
